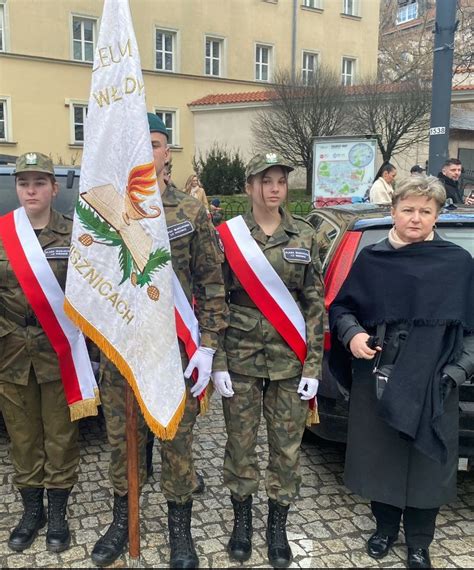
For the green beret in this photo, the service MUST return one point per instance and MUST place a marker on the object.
(261, 162)
(34, 162)
(156, 124)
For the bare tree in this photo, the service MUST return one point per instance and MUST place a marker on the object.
(397, 114)
(406, 50)
(300, 110)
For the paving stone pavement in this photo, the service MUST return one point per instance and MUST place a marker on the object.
(327, 527)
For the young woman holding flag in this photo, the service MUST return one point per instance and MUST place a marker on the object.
(274, 350)
(39, 347)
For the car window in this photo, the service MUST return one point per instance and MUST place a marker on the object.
(64, 202)
(328, 233)
(460, 235)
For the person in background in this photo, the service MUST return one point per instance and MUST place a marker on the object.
(44, 440)
(409, 357)
(216, 211)
(449, 177)
(266, 371)
(197, 262)
(417, 169)
(194, 189)
(382, 189)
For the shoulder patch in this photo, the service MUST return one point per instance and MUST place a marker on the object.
(179, 230)
(56, 252)
(296, 254)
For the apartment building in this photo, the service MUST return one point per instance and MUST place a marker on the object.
(189, 49)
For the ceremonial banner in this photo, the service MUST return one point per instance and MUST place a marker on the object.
(119, 286)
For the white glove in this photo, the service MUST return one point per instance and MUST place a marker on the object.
(202, 360)
(308, 388)
(222, 383)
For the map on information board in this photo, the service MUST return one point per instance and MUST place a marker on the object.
(343, 166)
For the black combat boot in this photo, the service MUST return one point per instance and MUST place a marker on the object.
(58, 537)
(183, 554)
(110, 546)
(240, 543)
(32, 520)
(279, 551)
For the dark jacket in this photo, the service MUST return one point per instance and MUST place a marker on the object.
(452, 188)
(381, 465)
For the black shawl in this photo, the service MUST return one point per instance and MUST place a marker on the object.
(430, 286)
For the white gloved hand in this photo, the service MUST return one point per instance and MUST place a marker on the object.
(222, 383)
(308, 388)
(202, 360)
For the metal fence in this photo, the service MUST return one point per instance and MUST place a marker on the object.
(231, 208)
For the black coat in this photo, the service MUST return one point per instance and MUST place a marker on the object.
(381, 465)
(452, 188)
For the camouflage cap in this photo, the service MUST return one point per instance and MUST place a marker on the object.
(261, 162)
(34, 162)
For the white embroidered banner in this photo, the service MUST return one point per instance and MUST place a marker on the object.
(119, 286)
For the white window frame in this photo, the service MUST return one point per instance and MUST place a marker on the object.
(3, 26)
(305, 70)
(407, 12)
(221, 59)
(260, 66)
(5, 101)
(172, 112)
(344, 75)
(95, 27)
(350, 7)
(73, 105)
(313, 4)
(174, 49)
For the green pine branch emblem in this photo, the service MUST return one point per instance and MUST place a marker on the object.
(103, 233)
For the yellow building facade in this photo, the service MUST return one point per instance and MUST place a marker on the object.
(188, 49)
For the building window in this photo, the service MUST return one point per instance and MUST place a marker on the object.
(2, 27)
(3, 120)
(349, 7)
(165, 50)
(263, 61)
(407, 12)
(213, 57)
(79, 114)
(348, 71)
(83, 38)
(310, 65)
(169, 119)
(313, 4)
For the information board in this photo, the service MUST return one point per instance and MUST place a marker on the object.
(343, 166)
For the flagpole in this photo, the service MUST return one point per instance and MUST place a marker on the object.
(132, 476)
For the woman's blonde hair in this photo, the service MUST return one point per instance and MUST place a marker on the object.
(420, 185)
(187, 186)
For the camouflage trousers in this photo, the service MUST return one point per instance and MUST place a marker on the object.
(285, 416)
(44, 444)
(178, 477)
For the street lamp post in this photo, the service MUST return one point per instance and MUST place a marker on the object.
(445, 26)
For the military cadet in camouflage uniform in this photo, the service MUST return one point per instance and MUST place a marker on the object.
(264, 368)
(44, 440)
(197, 262)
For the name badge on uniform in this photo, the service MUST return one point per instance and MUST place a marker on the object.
(56, 252)
(179, 230)
(296, 255)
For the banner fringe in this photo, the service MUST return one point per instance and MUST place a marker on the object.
(161, 431)
(312, 417)
(83, 408)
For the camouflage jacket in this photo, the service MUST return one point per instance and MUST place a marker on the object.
(197, 261)
(22, 347)
(252, 345)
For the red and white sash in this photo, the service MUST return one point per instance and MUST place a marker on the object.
(44, 294)
(187, 327)
(263, 284)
